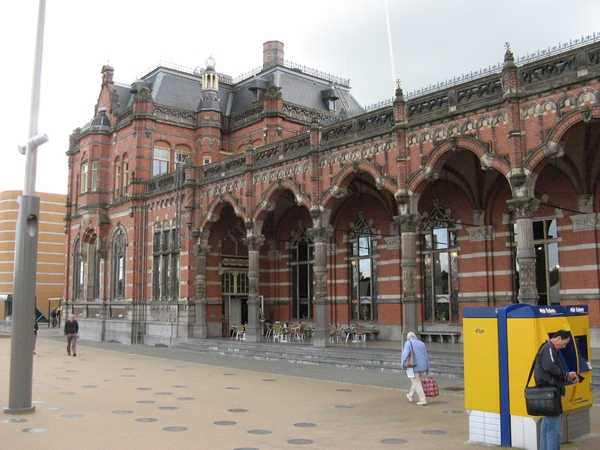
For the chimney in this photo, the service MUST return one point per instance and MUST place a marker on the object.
(272, 53)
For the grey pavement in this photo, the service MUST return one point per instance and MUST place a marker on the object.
(117, 396)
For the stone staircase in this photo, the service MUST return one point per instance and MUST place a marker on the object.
(442, 364)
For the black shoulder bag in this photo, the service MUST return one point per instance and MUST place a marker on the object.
(542, 400)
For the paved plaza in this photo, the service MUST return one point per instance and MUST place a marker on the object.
(114, 396)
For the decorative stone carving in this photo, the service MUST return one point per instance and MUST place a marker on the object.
(523, 207)
(320, 234)
(584, 222)
(482, 233)
(430, 174)
(408, 280)
(527, 276)
(338, 192)
(486, 161)
(554, 150)
(392, 242)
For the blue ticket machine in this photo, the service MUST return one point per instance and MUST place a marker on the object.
(508, 338)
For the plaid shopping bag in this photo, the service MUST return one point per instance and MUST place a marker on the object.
(430, 387)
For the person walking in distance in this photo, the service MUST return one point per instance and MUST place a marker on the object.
(71, 330)
(36, 327)
(413, 345)
(53, 318)
(549, 370)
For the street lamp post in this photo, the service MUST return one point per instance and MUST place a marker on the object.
(21, 354)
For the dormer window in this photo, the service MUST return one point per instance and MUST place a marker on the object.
(258, 86)
(329, 97)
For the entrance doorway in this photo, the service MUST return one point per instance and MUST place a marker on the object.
(235, 311)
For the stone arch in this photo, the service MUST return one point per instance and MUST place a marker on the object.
(342, 180)
(162, 144)
(554, 146)
(270, 195)
(443, 151)
(215, 208)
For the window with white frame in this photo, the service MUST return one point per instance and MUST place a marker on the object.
(84, 178)
(160, 161)
(94, 176)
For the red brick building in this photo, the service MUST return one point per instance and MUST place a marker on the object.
(197, 201)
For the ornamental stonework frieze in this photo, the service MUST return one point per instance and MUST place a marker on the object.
(224, 188)
(482, 233)
(348, 155)
(280, 173)
(584, 222)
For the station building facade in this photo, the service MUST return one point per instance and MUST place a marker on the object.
(197, 201)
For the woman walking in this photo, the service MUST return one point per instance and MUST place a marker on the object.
(420, 367)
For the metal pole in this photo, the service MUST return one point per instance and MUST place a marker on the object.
(21, 355)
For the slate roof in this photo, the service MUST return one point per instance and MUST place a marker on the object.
(178, 89)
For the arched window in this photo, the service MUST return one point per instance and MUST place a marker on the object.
(440, 266)
(302, 260)
(118, 265)
(363, 270)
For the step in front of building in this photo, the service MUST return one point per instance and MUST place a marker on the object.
(361, 358)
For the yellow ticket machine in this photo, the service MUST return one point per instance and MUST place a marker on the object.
(500, 345)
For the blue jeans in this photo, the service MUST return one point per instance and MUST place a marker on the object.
(551, 435)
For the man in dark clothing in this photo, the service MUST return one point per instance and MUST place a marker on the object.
(550, 370)
(71, 330)
(36, 327)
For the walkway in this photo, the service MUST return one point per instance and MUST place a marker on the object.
(117, 396)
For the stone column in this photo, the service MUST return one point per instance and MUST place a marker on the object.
(253, 243)
(320, 236)
(524, 209)
(410, 301)
(201, 327)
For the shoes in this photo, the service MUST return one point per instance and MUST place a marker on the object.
(74, 354)
(409, 397)
(68, 354)
(422, 403)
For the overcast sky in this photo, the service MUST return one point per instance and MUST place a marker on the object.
(432, 40)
